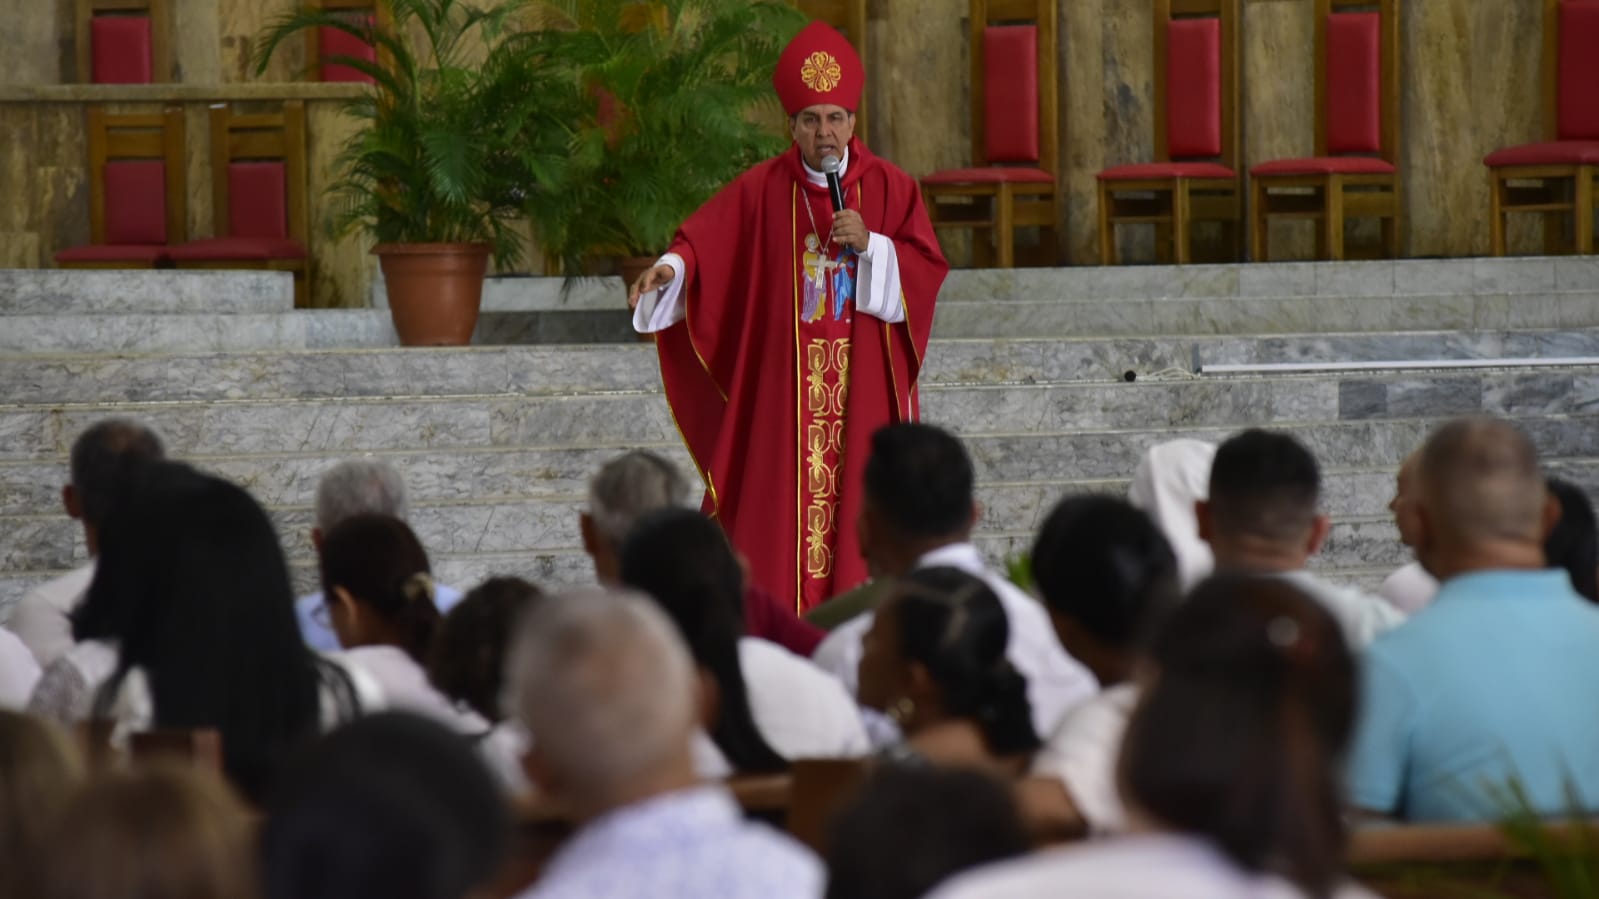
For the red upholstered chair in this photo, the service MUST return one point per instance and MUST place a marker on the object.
(123, 41)
(325, 44)
(1354, 173)
(1014, 140)
(1195, 174)
(849, 17)
(1557, 177)
(258, 188)
(137, 201)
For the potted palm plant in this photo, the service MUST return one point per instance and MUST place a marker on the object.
(681, 103)
(466, 117)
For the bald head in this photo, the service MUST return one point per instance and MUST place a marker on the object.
(1479, 481)
(605, 685)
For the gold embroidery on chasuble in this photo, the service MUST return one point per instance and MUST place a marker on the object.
(826, 393)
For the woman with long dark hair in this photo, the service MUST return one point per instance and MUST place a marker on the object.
(771, 705)
(193, 593)
(934, 661)
(1231, 762)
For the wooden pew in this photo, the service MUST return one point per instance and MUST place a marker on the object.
(1444, 861)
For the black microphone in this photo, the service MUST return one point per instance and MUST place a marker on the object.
(835, 188)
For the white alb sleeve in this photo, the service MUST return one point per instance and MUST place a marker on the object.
(877, 290)
(662, 308)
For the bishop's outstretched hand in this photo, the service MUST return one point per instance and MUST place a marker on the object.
(657, 277)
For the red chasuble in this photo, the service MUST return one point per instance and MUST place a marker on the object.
(777, 389)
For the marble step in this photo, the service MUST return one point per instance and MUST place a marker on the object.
(1357, 544)
(1378, 278)
(104, 292)
(1079, 283)
(487, 522)
(127, 377)
(143, 332)
(515, 420)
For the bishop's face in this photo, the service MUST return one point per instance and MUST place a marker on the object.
(820, 131)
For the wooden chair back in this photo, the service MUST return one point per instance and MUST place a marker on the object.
(1438, 861)
(200, 746)
(1015, 92)
(849, 17)
(324, 43)
(136, 183)
(821, 788)
(258, 172)
(1571, 69)
(123, 41)
(1196, 81)
(1357, 78)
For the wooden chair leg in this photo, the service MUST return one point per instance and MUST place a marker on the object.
(1496, 214)
(1005, 226)
(1333, 207)
(1259, 244)
(1107, 228)
(1582, 210)
(1182, 243)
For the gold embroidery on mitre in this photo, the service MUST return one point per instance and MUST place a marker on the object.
(821, 72)
(824, 436)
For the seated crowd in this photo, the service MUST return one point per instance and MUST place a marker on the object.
(1174, 704)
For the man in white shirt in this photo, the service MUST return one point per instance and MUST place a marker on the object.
(608, 688)
(350, 488)
(1262, 518)
(918, 512)
(1410, 587)
(101, 458)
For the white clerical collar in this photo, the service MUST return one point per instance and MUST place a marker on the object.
(819, 179)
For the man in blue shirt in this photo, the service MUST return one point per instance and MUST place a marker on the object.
(1493, 683)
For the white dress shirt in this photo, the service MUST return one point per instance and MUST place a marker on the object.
(1362, 615)
(1083, 753)
(877, 287)
(1144, 866)
(1055, 681)
(19, 672)
(688, 844)
(800, 710)
(1410, 588)
(40, 617)
(403, 685)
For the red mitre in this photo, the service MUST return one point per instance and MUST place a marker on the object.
(819, 67)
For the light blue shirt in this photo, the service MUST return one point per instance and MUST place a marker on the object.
(320, 636)
(690, 844)
(1497, 680)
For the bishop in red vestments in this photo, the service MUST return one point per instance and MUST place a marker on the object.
(788, 333)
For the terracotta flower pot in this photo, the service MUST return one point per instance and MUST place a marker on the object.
(435, 290)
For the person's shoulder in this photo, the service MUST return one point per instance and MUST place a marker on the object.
(779, 865)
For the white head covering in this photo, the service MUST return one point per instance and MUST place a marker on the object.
(1169, 479)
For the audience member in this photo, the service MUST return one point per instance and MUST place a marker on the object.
(766, 695)
(1107, 575)
(934, 662)
(391, 805)
(1489, 684)
(467, 661)
(918, 512)
(638, 482)
(39, 771)
(101, 459)
(379, 593)
(1230, 763)
(1261, 518)
(152, 833)
(909, 829)
(1169, 480)
(1573, 544)
(350, 488)
(191, 604)
(19, 671)
(1410, 587)
(604, 681)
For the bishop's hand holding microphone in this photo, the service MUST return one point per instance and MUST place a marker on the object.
(849, 229)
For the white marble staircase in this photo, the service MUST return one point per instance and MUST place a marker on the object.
(496, 441)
